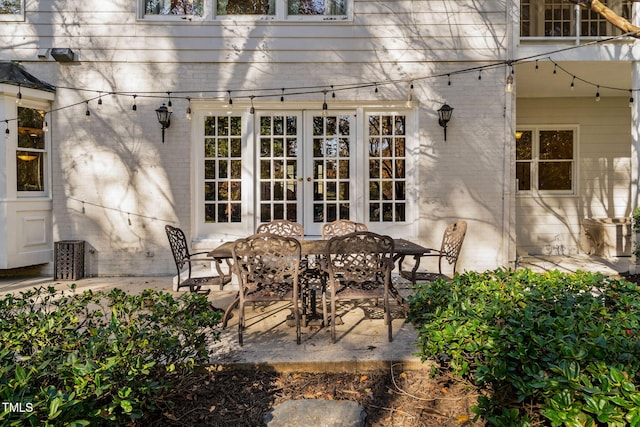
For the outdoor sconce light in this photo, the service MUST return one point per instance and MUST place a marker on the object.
(164, 118)
(444, 115)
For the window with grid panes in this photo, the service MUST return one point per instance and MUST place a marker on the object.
(222, 169)
(545, 159)
(557, 18)
(387, 174)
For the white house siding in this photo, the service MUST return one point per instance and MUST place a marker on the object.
(116, 185)
(553, 224)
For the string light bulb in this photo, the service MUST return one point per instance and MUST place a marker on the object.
(281, 96)
(134, 107)
(448, 79)
(99, 107)
(410, 93)
(45, 125)
(509, 86)
(537, 65)
(87, 113)
(252, 110)
(19, 96)
(188, 113)
(169, 103)
(598, 93)
(573, 82)
(325, 107)
(7, 132)
(555, 68)
(630, 98)
(480, 75)
(333, 92)
(376, 89)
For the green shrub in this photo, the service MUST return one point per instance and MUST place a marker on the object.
(96, 358)
(564, 347)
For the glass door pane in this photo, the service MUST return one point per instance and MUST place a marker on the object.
(278, 164)
(329, 168)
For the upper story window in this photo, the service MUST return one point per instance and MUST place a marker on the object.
(11, 10)
(545, 159)
(174, 7)
(251, 9)
(560, 18)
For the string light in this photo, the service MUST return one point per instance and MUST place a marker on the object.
(537, 65)
(410, 93)
(448, 79)
(480, 75)
(19, 96)
(252, 110)
(45, 125)
(87, 113)
(325, 107)
(555, 66)
(573, 83)
(376, 89)
(229, 99)
(333, 92)
(598, 93)
(7, 132)
(99, 107)
(509, 86)
(630, 98)
(281, 96)
(134, 108)
(188, 113)
(169, 103)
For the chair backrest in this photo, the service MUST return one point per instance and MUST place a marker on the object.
(178, 244)
(452, 242)
(282, 227)
(267, 258)
(361, 256)
(341, 227)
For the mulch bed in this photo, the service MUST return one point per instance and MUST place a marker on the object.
(390, 398)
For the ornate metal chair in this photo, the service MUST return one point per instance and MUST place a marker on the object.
(449, 250)
(341, 227)
(182, 257)
(282, 227)
(268, 268)
(359, 265)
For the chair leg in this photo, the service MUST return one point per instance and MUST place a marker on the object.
(240, 323)
(387, 315)
(333, 319)
(296, 313)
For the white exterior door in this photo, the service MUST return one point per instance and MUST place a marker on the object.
(306, 169)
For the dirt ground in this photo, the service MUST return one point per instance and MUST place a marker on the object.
(390, 398)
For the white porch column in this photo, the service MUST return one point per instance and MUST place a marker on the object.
(635, 137)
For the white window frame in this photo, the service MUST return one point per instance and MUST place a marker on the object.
(46, 179)
(216, 232)
(534, 190)
(281, 14)
(13, 17)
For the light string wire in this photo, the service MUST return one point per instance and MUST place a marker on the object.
(280, 92)
(128, 213)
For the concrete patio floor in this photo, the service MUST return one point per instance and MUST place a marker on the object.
(268, 341)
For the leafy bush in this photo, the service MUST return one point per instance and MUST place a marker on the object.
(564, 347)
(96, 358)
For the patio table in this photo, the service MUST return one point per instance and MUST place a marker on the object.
(402, 248)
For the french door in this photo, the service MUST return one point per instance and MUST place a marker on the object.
(306, 167)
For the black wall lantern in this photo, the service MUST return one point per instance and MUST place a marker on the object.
(164, 118)
(444, 115)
